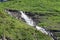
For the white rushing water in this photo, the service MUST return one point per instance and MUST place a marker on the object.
(27, 19)
(30, 22)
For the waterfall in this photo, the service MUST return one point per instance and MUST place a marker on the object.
(27, 19)
(30, 22)
(42, 30)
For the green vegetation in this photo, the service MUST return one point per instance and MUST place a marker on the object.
(16, 29)
(32, 5)
(50, 20)
(49, 8)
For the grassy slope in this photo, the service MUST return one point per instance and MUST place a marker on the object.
(32, 5)
(43, 6)
(37, 6)
(50, 20)
(15, 29)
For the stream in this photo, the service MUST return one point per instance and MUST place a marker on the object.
(30, 22)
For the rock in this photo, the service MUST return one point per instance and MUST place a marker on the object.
(3, 0)
(14, 13)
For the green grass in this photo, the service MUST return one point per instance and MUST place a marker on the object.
(45, 7)
(50, 21)
(16, 29)
(32, 5)
(50, 8)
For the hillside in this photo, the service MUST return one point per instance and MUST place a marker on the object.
(48, 8)
(17, 30)
(48, 11)
(33, 5)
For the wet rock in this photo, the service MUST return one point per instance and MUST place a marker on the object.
(54, 30)
(8, 38)
(29, 13)
(3, 0)
(14, 13)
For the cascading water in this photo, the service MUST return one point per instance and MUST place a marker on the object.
(30, 22)
(27, 19)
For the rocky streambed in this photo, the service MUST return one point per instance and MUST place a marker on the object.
(34, 20)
